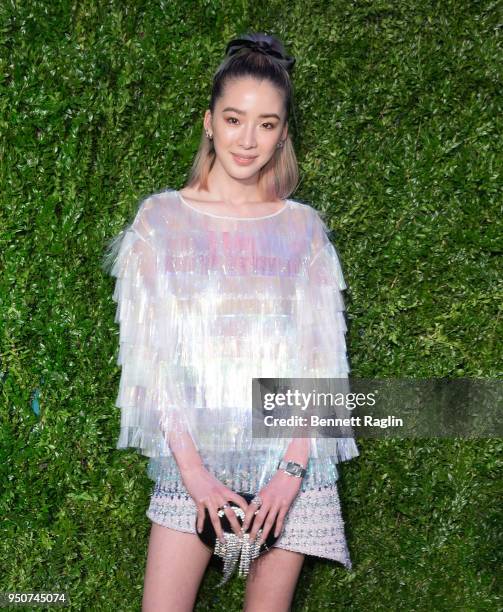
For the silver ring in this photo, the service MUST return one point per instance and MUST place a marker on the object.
(226, 505)
(257, 501)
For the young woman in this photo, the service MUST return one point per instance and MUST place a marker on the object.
(217, 283)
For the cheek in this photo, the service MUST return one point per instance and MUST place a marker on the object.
(269, 138)
(227, 134)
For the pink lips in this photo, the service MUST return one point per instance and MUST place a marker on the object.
(243, 161)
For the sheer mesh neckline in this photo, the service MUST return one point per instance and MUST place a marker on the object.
(203, 212)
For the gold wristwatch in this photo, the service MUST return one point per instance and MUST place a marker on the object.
(292, 468)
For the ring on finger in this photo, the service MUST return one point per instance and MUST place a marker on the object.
(257, 500)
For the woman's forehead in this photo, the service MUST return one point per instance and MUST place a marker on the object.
(248, 93)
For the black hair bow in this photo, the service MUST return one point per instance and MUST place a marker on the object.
(262, 46)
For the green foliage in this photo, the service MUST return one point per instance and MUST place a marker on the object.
(396, 129)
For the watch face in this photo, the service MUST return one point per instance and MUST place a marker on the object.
(292, 468)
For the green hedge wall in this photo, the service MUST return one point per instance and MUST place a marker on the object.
(398, 112)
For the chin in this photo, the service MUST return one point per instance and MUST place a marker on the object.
(244, 174)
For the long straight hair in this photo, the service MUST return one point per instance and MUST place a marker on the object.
(280, 176)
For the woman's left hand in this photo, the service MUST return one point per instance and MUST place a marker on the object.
(277, 497)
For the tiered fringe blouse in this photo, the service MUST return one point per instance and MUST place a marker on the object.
(205, 303)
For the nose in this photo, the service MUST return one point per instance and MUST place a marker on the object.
(247, 137)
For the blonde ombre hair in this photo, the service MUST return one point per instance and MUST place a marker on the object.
(260, 56)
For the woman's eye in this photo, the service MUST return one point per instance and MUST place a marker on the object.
(233, 121)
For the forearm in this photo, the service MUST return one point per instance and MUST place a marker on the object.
(298, 450)
(184, 451)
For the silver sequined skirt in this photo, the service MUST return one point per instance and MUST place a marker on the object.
(313, 525)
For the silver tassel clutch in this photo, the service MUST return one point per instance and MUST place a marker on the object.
(236, 550)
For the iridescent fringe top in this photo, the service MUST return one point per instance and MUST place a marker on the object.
(206, 302)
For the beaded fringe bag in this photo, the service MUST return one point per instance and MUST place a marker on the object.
(236, 549)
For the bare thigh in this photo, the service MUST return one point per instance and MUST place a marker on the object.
(272, 580)
(176, 563)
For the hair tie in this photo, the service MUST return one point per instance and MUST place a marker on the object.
(262, 46)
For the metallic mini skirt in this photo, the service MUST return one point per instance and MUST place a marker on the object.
(313, 526)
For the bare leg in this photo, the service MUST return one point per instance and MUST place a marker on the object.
(272, 580)
(176, 563)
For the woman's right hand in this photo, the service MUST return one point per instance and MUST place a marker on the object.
(209, 493)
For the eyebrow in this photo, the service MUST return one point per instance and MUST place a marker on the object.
(240, 112)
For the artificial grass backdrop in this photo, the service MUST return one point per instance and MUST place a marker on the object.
(397, 140)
